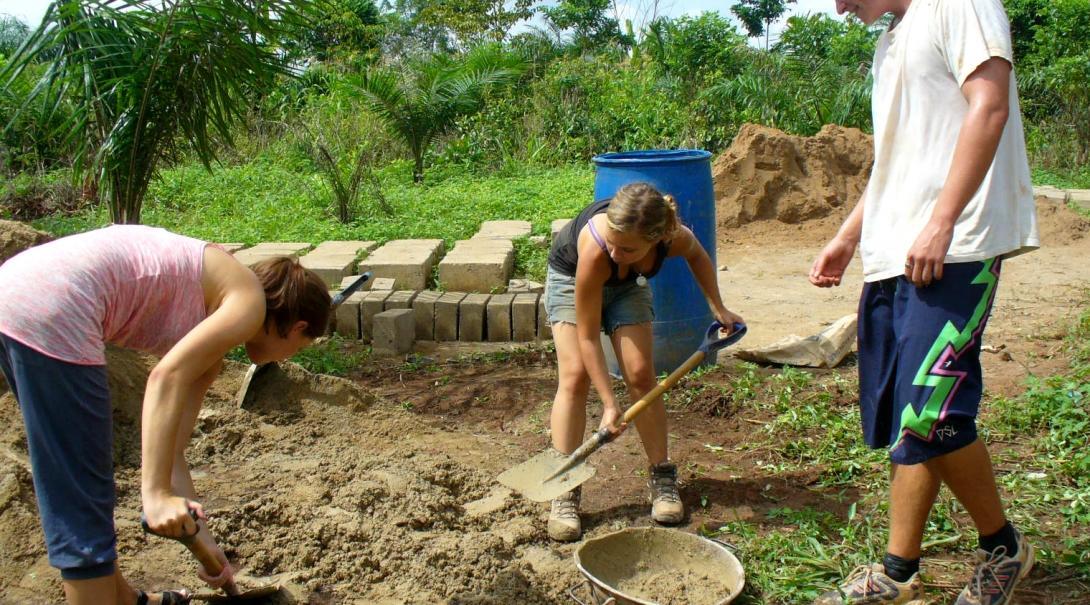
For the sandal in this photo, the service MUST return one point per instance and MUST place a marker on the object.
(167, 597)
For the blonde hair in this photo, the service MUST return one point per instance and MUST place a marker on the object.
(640, 208)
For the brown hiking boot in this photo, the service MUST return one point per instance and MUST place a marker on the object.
(666, 506)
(564, 524)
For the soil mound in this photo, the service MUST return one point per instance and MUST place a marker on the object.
(16, 237)
(767, 174)
(1058, 224)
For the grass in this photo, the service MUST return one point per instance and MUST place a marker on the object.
(1038, 442)
(267, 201)
(1078, 178)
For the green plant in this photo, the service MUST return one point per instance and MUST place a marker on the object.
(424, 103)
(143, 78)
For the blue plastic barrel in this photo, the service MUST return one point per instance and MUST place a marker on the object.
(681, 311)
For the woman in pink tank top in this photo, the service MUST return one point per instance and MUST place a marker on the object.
(147, 289)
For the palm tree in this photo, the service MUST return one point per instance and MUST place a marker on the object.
(148, 79)
(425, 102)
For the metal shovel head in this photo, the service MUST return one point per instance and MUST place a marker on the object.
(528, 478)
(266, 595)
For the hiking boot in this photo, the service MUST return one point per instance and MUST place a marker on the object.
(996, 575)
(666, 506)
(869, 585)
(564, 525)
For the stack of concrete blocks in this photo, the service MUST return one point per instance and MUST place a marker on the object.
(394, 332)
(478, 265)
(334, 260)
(409, 262)
(483, 263)
(1079, 197)
(265, 250)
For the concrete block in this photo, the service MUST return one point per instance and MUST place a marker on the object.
(264, 250)
(516, 286)
(409, 262)
(372, 304)
(1079, 197)
(559, 224)
(1050, 192)
(507, 230)
(395, 332)
(471, 317)
(400, 299)
(446, 316)
(383, 283)
(347, 317)
(478, 265)
(424, 312)
(333, 260)
(499, 317)
(524, 317)
(544, 329)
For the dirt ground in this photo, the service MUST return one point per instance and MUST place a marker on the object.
(381, 489)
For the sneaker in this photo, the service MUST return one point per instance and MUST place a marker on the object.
(564, 524)
(996, 575)
(869, 585)
(666, 506)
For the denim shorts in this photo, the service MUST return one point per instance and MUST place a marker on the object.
(623, 305)
(69, 427)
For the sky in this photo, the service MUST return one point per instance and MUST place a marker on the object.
(31, 11)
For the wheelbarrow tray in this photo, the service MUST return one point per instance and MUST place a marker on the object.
(614, 564)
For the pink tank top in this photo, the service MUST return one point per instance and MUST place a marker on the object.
(128, 285)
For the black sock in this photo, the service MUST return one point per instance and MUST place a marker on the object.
(900, 570)
(1005, 537)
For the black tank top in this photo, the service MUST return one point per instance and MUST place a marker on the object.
(564, 255)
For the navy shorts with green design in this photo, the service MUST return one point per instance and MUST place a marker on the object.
(919, 360)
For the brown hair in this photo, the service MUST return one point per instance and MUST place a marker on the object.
(640, 208)
(293, 293)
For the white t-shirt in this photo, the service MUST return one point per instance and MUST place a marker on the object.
(918, 109)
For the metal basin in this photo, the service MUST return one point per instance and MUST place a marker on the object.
(656, 566)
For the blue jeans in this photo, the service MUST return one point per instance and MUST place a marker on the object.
(69, 426)
(623, 305)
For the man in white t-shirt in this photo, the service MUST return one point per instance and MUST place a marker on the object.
(949, 198)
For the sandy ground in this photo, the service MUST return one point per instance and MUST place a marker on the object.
(381, 489)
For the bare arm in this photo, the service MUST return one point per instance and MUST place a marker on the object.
(688, 247)
(988, 92)
(828, 268)
(169, 402)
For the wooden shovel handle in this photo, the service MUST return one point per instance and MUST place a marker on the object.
(690, 363)
(209, 561)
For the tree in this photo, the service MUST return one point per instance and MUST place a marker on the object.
(146, 78)
(345, 29)
(757, 16)
(587, 21)
(425, 102)
(476, 21)
(692, 47)
(12, 34)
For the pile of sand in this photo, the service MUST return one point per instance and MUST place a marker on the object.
(16, 237)
(768, 174)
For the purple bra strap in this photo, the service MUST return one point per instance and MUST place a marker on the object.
(597, 238)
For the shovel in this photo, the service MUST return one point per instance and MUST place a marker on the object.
(257, 596)
(258, 373)
(550, 473)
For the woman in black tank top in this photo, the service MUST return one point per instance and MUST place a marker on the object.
(597, 281)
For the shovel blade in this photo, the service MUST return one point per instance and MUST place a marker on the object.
(528, 478)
